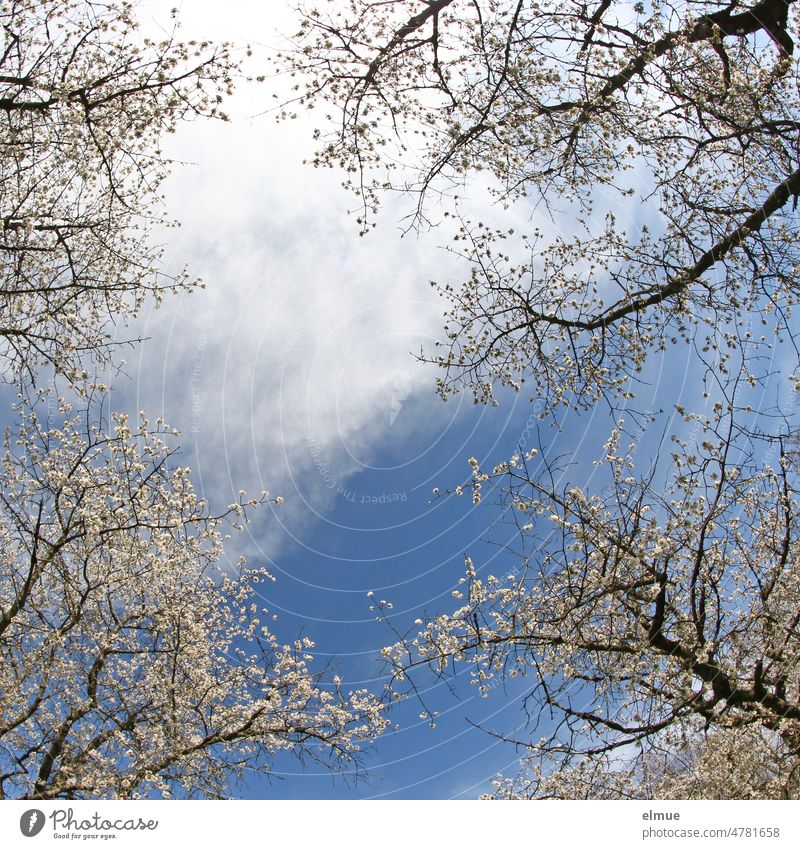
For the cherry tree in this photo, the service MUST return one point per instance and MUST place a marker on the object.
(657, 617)
(657, 142)
(85, 102)
(133, 660)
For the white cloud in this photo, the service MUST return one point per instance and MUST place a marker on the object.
(303, 337)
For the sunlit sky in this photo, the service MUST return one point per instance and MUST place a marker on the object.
(294, 371)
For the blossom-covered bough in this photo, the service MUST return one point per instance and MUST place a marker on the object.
(85, 101)
(648, 156)
(682, 116)
(658, 619)
(133, 662)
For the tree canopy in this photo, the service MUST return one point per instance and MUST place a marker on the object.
(682, 117)
(85, 102)
(133, 662)
(657, 618)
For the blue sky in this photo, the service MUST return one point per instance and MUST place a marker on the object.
(293, 371)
